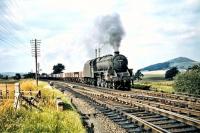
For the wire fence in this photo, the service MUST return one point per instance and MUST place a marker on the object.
(7, 91)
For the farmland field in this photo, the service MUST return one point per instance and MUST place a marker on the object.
(157, 82)
(162, 86)
(8, 81)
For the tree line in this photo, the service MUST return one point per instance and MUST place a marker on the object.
(56, 69)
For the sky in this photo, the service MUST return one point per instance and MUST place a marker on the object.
(155, 31)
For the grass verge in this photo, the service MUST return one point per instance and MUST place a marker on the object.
(48, 119)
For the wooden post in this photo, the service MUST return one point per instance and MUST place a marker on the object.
(30, 92)
(7, 94)
(17, 96)
(6, 90)
(1, 95)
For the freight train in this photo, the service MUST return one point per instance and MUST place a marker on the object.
(110, 71)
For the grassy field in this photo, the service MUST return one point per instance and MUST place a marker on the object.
(10, 81)
(162, 86)
(48, 119)
(157, 82)
(154, 77)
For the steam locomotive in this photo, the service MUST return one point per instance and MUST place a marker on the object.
(109, 71)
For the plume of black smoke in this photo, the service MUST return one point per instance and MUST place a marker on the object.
(109, 30)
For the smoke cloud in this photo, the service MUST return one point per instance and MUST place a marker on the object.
(109, 31)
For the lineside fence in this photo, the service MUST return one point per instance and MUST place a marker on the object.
(19, 97)
(6, 91)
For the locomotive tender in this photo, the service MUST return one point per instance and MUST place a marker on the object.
(109, 71)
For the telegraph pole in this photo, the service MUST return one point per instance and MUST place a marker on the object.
(35, 53)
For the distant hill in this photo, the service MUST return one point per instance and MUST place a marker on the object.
(9, 74)
(181, 63)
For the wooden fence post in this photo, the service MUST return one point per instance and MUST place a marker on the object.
(1, 95)
(17, 96)
(6, 91)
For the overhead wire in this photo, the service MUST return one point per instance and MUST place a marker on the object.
(10, 27)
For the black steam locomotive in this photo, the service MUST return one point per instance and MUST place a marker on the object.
(108, 71)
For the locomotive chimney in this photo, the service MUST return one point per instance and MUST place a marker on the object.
(116, 53)
(96, 53)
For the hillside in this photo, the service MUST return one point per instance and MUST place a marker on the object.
(10, 74)
(180, 62)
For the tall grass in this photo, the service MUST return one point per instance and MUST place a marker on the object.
(48, 119)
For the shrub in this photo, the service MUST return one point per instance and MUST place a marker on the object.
(28, 85)
(141, 86)
(188, 82)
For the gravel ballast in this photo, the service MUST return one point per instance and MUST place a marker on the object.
(102, 124)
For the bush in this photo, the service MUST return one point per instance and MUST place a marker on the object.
(141, 86)
(171, 73)
(188, 82)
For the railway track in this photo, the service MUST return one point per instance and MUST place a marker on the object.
(167, 95)
(134, 116)
(181, 107)
(176, 103)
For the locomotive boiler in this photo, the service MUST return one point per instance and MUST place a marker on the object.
(108, 71)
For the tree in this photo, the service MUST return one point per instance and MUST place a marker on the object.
(195, 67)
(6, 77)
(44, 75)
(17, 76)
(188, 81)
(58, 68)
(29, 75)
(138, 75)
(1, 76)
(171, 73)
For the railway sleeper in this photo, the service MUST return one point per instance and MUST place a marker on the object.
(104, 111)
(185, 130)
(174, 125)
(124, 122)
(109, 113)
(112, 115)
(150, 116)
(130, 126)
(142, 114)
(164, 122)
(135, 130)
(129, 110)
(194, 107)
(136, 110)
(156, 119)
(120, 120)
